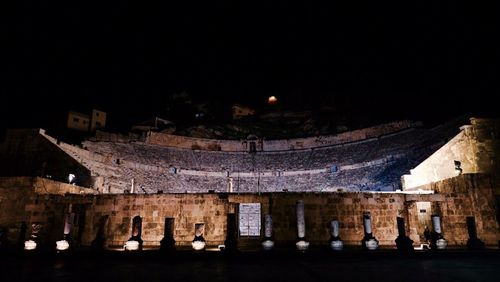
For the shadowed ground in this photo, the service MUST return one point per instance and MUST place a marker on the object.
(280, 266)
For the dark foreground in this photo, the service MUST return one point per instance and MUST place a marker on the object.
(384, 266)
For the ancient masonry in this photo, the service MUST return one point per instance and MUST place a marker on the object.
(361, 188)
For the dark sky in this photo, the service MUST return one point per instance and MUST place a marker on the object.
(379, 61)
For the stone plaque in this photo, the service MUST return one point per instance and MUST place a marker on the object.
(249, 219)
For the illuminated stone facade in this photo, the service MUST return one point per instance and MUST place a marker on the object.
(474, 150)
(340, 181)
(457, 198)
(371, 159)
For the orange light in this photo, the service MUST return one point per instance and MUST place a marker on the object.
(272, 100)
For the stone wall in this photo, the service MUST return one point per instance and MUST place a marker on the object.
(26, 200)
(30, 152)
(212, 210)
(476, 147)
(455, 199)
(49, 186)
(50, 210)
(14, 195)
(153, 209)
(459, 197)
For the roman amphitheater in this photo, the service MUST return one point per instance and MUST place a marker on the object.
(159, 187)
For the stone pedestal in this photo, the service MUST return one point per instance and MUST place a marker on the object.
(198, 242)
(268, 243)
(35, 241)
(336, 243)
(30, 245)
(437, 240)
(136, 235)
(62, 245)
(302, 244)
(132, 245)
(369, 242)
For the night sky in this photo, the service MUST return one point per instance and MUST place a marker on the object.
(426, 61)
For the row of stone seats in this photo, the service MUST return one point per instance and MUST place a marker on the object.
(148, 165)
(383, 176)
(262, 161)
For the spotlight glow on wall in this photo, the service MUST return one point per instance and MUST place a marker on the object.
(272, 100)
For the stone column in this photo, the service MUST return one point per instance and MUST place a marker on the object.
(369, 242)
(69, 219)
(302, 244)
(136, 227)
(335, 242)
(436, 223)
(22, 234)
(168, 241)
(68, 224)
(98, 243)
(367, 223)
(268, 243)
(64, 244)
(473, 242)
(231, 242)
(437, 240)
(268, 226)
(403, 242)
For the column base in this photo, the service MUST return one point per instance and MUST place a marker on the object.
(29, 245)
(131, 245)
(267, 245)
(337, 245)
(475, 244)
(198, 245)
(62, 245)
(302, 245)
(167, 244)
(439, 244)
(404, 243)
(370, 244)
